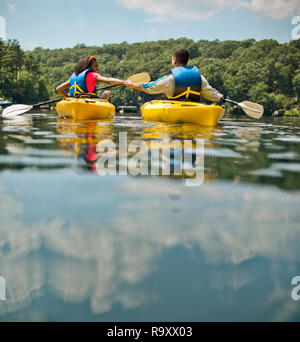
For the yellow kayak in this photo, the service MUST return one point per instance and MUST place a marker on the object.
(182, 112)
(85, 108)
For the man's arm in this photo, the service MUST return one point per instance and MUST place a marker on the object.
(164, 85)
(208, 92)
(136, 86)
(60, 89)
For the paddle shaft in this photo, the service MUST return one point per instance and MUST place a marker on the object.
(107, 87)
(56, 100)
(46, 102)
(230, 101)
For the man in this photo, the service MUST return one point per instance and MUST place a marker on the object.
(184, 83)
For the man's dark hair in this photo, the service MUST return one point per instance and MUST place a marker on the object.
(182, 56)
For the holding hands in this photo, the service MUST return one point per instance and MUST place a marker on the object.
(132, 85)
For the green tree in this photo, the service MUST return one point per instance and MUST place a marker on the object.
(265, 71)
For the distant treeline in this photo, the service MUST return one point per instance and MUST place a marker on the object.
(266, 71)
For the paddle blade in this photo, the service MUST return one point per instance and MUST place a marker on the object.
(254, 110)
(143, 77)
(15, 110)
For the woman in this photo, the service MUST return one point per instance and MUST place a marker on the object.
(85, 78)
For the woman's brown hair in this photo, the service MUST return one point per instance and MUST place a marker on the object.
(84, 64)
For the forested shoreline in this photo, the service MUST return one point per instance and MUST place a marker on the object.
(266, 71)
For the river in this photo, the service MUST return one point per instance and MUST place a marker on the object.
(78, 245)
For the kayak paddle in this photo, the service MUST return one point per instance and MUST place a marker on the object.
(142, 77)
(19, 109)
(254, 110)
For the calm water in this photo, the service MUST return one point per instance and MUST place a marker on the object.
(75, 245)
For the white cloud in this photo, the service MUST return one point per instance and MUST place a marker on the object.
(199, 10)
(175, 9)
(11, 7)
(277, 9)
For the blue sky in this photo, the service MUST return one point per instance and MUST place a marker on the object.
(65, 23)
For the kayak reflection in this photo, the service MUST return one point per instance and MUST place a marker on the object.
(159, 150)
(82, 137)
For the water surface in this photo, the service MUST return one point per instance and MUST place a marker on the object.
(75, 245)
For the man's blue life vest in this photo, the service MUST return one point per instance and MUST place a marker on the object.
(188, 82)
(78, 84)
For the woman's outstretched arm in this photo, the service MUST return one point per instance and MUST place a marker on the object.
(109, 80)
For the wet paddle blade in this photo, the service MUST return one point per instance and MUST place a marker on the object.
(254, 110)
(15, 110)
(143, 77)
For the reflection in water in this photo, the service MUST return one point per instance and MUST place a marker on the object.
(82, 138)
(78, 258)
(78, 247)
(239, 151)
(18, 121)
(174, 149)
(249, 138)
(242, 152)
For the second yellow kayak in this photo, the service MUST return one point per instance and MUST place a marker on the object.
(182, 112)
(85, 108)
